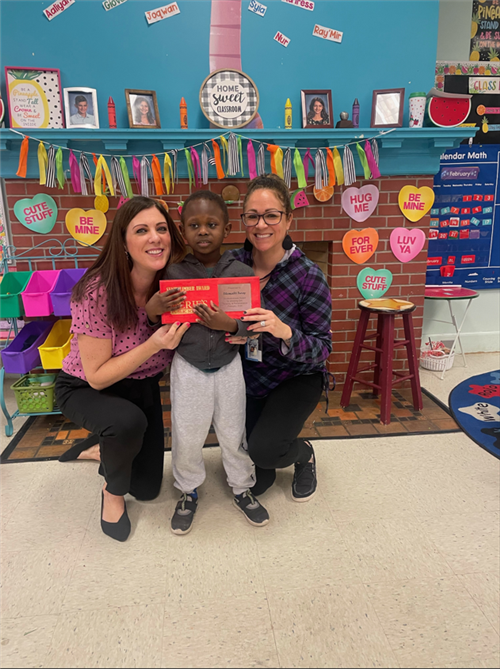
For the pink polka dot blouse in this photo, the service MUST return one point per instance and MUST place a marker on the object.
(89, 317)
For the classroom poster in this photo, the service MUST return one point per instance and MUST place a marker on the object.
(485, 30)
(464, 235)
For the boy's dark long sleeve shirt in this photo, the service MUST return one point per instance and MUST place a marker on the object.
(200, 346)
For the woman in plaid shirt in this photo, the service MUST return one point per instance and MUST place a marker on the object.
(286, 376)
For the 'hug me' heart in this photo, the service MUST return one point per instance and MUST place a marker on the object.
(360, 203)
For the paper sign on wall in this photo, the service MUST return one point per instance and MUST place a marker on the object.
(111, 4)
(165, 12)
(372, 284)
(416, 202)
(360, 245)
(57, 8)
(38, 214)
(86, 226)
(303, 4)
(257, 8)
(360, 203)
(281, 39)
(328, 33)
(406, 244)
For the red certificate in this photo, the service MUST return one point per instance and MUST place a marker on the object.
(233, 295)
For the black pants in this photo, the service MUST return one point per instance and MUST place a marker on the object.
(274, 422)
(127, 417)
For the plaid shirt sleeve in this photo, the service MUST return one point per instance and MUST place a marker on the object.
(312, 344)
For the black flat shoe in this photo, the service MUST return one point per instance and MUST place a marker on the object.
(120, 530)
(73, 452)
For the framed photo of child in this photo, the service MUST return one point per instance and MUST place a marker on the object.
(142, 109)
(317, 108)
(80, 106)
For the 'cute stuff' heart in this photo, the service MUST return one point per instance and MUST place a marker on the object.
(38, 214)
(372, 283)
(360, 203)
(359, 245)
(415, 202)
(87, 227)
(406, 244)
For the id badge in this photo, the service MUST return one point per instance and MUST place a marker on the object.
(253, 349)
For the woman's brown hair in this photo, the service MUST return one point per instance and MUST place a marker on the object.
(270, 182)
(112, 268)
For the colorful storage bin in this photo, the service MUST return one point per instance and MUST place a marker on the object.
(36, 296)
(56, 346)
(32, 396)
(22, 354)
(11, 287)
(61, 295)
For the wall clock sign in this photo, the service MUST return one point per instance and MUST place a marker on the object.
(229, 98)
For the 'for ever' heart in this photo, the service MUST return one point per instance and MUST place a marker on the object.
(38, 214)
(415, 202)
(407, 243)
(373, 283)
(360, 203)
(87, 227)
(359, 245)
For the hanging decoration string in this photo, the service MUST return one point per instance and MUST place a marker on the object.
(204, 165)
(42, 163)
(349, 169)
(155, 166)
(287, 167)
(371, 161)
(331, 167)
(306, 160)
(136, 168)
(146, 173)
(189, 168)
(195, 158)
(261, 160)
(102, 172)
(217, 158)
(364, 161)
(321, 173)
(240, 153)
(375, 150)
(51, 167)
(233, 161)
(168, 174)
(126, 178)
(23, 158)
(75, 173)
(276, 159)
(94, 157)
(174, 165)
(299, 169)
(337, 163)
(118, 179)
(61, 179)
(252, 167)
(85, 173)
(225, 150)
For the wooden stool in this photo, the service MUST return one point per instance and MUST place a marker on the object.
(386, 310)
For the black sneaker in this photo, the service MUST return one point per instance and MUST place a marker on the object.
(254, 512)
(182, 519)
(304, 479)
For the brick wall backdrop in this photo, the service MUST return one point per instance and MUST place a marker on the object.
(317, 229)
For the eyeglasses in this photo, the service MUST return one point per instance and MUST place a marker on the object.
(250, 220)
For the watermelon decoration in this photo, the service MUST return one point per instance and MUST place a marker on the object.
(298, 199)
(448, 112)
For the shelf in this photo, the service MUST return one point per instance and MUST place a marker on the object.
(402, 151)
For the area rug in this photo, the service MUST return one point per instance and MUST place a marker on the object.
(48, 437)
(475, 405)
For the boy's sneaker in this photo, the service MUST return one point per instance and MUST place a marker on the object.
(254, 512)
(182, 519)
(304, 479)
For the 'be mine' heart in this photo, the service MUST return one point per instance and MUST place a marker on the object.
(415, 202)
(359, 245)
(38, 214)
(407, 243)
(86, 226)
(373, 283)
(360, 203)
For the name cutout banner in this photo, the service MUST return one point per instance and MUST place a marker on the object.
(406, 244)
(360, 203)
(38, 214)
(360, 245)
(372, 283)
(415, 202)
(87, 227)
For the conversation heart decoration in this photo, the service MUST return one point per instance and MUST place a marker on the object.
(359, 245)
(407, 243)
(87, 227)
(38, 214)
(360, 203)
(415, 202)
(374, 283)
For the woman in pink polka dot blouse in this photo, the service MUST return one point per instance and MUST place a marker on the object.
(109, 383)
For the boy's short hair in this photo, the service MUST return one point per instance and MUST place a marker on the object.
(206, 195)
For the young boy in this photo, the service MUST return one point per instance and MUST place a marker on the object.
(206, 377)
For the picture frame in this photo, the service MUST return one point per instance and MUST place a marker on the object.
(387, 108)
(314, 116)
(229, 99)
(80, 107)
(137, 111)
(34, 97)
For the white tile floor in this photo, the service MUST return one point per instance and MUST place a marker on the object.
(394, 563)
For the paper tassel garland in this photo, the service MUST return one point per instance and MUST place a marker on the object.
(75, 173)
(23, 158)
(51, 168)
(261, 160)
(364, 161)
(337, 163)
(299, 169)
(168, 174)
(349, 169)
(287, 167)
(252, 166)
(42, 164)
(85, 173)
(372, 164)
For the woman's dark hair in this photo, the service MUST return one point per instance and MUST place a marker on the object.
(312, 113)
(138, 111)
(206, 195)
(270, 182)
(112, 268)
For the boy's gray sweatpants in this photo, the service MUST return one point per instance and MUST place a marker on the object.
(199, 399)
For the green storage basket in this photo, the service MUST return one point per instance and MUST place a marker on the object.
(11, 287)
(31, 396)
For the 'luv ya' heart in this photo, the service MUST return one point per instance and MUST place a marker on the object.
(87, 227)
(38, 214)
(407, 243)
(360, 203)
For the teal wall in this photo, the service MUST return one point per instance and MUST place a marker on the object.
(386, 44)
